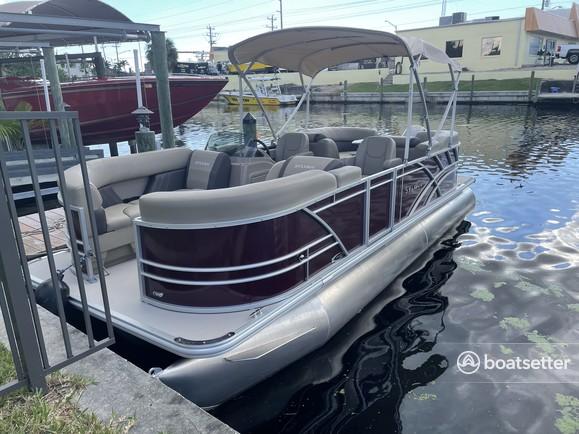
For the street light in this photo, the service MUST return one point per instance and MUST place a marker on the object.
(393, 25)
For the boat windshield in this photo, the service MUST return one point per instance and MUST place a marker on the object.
(231, 143)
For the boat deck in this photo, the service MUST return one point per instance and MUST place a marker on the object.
(159, 326)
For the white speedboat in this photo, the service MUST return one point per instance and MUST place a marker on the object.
(240, 259)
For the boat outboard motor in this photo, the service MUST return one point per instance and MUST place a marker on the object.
(45, 294)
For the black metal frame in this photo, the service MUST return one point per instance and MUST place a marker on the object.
(17, 299)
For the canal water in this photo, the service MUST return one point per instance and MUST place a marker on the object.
(504, 283)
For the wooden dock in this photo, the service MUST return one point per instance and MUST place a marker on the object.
(32, 232)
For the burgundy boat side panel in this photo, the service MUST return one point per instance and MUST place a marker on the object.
(346, 219)
(254, 243)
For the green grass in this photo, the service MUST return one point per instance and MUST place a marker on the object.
(441, 86)
(55, 412)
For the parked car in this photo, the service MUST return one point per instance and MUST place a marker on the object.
(569, 52)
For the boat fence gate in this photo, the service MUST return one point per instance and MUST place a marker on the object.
(23, 327)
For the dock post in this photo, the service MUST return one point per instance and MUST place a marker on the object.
(249, 129)
(381, 90)
(531, 87)
(471, 88)
(159, 50)
(145, 140)
(56, 91)
(345, 91)
(114, 149)
(133, 146)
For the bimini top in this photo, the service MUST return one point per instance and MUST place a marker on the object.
(309, 50)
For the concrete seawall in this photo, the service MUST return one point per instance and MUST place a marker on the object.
(122, 390)
(478, 97)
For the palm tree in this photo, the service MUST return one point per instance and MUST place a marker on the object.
(172, 54)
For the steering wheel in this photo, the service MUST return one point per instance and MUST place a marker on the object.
(262, 147)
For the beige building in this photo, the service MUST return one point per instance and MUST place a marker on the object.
(494, 44)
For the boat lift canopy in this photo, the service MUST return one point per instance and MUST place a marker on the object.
(310, 50)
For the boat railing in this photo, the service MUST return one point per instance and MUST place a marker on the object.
(348, 219)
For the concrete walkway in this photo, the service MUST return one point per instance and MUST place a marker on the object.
(122, 390)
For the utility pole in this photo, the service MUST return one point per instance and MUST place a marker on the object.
(272, 18)
(281, 14)
(212, 36)
(443, 11)
(545, 4)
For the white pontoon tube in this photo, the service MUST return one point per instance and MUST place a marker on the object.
(309, 50)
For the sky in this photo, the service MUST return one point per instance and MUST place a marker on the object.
(186, 21)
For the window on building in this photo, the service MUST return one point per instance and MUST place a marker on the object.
(535, 45)
(454, 48)
(492, 46)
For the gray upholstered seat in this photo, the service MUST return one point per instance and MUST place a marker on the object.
(208, 170)
(343, 136)
(375, 154)
(291, 144)
(302, 163)
(324, 147)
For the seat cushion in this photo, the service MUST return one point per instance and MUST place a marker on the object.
(116, 217)
(291, 144)
(208, 170)
(302, 163)
(132, 210)
(374, 153)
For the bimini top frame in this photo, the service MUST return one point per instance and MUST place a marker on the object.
(309, 50)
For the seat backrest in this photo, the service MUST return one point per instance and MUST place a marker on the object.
(325, 147)
(375, 154)
(291, 144)
(208, 170)
(302, 163)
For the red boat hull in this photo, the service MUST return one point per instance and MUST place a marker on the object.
(105, 106)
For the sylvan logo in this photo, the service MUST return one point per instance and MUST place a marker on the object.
(468, 362)
(158, 294)
(202, 163)
(304, 166)
(414, 187)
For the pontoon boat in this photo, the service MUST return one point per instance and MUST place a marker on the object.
(241, 258)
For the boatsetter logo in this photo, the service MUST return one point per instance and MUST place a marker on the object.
(469, 362)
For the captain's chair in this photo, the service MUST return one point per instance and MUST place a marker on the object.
(291, 144)
(375, 154)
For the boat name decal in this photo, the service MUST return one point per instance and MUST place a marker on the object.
(158, 294)
(412, 188)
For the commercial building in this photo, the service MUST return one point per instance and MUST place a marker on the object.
(494, 44)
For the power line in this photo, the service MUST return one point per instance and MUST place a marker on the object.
(280, 14)
(272, 19)
(212, 36)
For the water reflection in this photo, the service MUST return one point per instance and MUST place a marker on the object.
(513, 280)
(360, 378)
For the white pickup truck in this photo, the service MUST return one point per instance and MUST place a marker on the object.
(569, 52)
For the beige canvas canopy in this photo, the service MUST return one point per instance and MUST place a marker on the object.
(309, 50)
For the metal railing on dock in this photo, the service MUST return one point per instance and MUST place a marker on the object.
(17, 294)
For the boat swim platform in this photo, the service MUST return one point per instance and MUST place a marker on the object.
(174, 331)
(32, 237)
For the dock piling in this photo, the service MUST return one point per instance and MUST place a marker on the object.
(471, 88)
(159, 50)
(345, 91)
(56, 91)
(114, 149)
(531, 86)
(381, 90)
